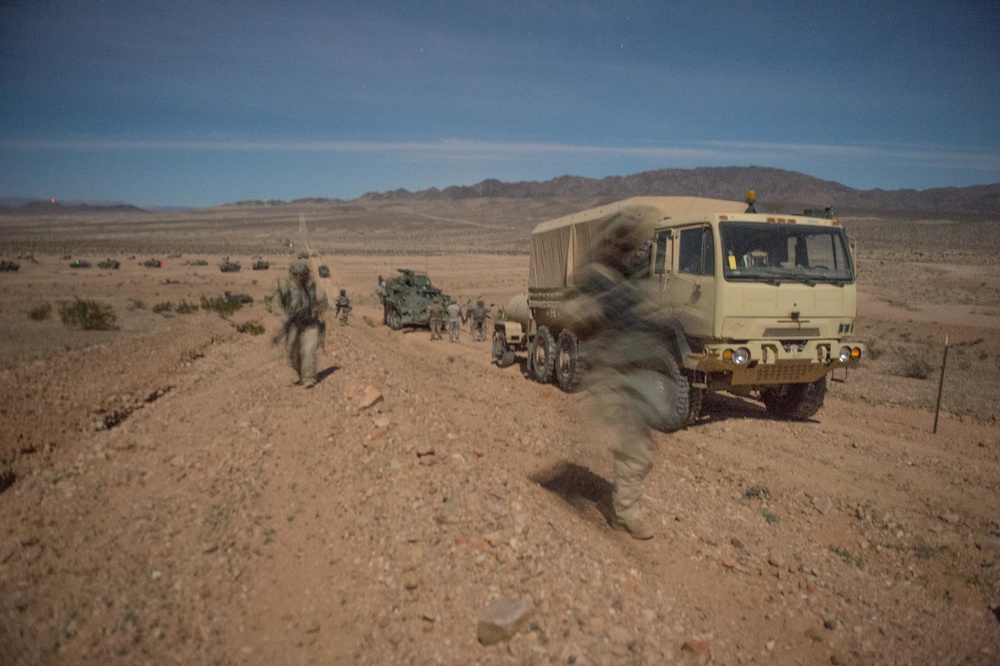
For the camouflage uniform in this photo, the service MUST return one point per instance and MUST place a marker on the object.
(479, 314)
(436, 315)
(624, 354)
(455, 320)
(343, 307)
(304, 328)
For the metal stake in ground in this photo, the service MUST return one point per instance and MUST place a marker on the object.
(944, 362)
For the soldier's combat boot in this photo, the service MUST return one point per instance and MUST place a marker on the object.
(638, 526)
(309, 383)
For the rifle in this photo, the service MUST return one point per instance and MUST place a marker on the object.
(301, 318)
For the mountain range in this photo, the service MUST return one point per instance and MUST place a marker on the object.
(778, 189)
(781, 189)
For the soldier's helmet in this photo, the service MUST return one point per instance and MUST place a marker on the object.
(480, 301)
(299, 268)
(622, 237)
(343, 292)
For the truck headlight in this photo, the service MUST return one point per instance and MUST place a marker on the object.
(739, 356)
(845, 354)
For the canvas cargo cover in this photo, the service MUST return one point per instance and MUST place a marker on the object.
(562, 246)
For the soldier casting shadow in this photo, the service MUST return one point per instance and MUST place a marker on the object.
(622, 346)
(304, 329)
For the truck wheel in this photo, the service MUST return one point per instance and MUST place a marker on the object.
(675, 392)
(394, 319)
(794, 402)
(696, 397)
(503, 357)
(541, 356)
(568, 370)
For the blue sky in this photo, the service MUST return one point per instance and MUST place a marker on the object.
(201, 103)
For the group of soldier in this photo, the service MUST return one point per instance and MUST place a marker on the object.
(456, 316)
(616, 336)
(304, 330)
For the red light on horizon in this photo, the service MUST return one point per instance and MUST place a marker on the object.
(53, 199)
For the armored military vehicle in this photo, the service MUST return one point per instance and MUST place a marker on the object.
(261, 265)
(153, 263)
(9, 266)
(229, 266)
(109, 264)
(406, 299)
(79, 263)
(758, 305)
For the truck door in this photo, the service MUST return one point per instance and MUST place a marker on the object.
(689, 289)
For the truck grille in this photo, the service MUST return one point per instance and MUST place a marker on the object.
(784, 373)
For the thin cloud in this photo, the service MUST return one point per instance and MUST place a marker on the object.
(461, 149)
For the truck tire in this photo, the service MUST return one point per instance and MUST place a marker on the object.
(676, 395)
(696, 397)
(794, 402)
(393, 318)
(503, 357)
(542, 356)
(567, 362)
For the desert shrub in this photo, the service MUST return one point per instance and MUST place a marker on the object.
(872, 350)
(160, 308)
(223, 305)
(41, 312)
(917, 368)
(186, 308)
(87, 315)
(757, 492)
(136, 304)
(251, 327)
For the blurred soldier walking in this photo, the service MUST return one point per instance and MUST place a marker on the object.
(436, 315)
(455, 320)
(343, 307)
(625, 355)
(304, 329)
(479, 314)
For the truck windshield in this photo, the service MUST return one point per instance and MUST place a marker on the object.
(769, 252)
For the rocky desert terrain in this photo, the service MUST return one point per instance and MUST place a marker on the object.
(169, 497)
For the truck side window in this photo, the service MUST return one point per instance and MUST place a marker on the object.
(697, 252)
(661, 252)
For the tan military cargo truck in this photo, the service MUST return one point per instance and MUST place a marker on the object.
(759, 305)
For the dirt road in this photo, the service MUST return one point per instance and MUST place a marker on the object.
(171, 498)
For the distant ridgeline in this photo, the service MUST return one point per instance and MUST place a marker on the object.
(57, 208)
(778, 189)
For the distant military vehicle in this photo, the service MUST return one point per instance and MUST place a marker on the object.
(153, 263)
(229, 266)
(79, 263)
(406, 299)
(260, 265)
(109, 264)
(9, 266)
(753, 304)
(324, 271)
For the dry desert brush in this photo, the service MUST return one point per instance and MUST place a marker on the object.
(87, 315)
